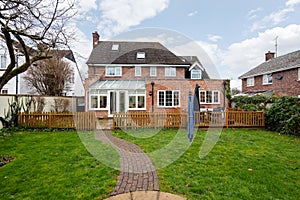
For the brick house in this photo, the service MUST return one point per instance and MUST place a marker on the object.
(280, 75)
(145, 76)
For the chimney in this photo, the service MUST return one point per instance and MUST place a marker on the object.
(270, 55)
(95, 39)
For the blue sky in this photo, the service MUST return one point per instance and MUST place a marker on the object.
(234, 34)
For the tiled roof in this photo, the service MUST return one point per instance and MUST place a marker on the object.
(281, 63)
(155, 53)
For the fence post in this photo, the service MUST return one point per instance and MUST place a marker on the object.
(226, 117)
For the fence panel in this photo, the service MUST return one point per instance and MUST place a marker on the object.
(79, 120)
(230, 118)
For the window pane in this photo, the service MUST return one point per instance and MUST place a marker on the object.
(110, 71)
(118, 71)
(169, 98)
(161, 98)
(141, 102)
(94, 101)
(138, 71)
(132, 102)
(152, 71)
(216, 97)
(202, 97)
(103, 101)
(196, 74)
(208, 96)
(3, 61)
(176, 98)
(170, 71)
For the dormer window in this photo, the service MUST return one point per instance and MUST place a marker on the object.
(115, 47)
(140, 55)
(196, 73)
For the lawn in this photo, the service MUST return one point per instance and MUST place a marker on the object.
(52, 165)
(244, 164)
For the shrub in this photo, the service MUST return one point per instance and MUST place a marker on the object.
(284, 116)
(257, 102)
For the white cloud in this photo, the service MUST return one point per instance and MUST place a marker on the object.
(252, 13)
(214, 38)
(86, 5)
(242, 56)
(193, 13)
(275, 17)
(119, 15)
(292, 2)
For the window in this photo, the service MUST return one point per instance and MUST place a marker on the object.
(168, 98)
(115, 47)
(140, 55)
(98, 102)
(299, 73)
(209, 97)
(170, 71)
(196, 74)
(138, 71)
(137, 102)
(152, 71)
(4, 91)
(267, 79)
(250, 81)
(113, 71)
(3, 61)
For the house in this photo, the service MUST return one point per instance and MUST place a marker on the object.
(145, 76)
(17, 84)
(280, 75)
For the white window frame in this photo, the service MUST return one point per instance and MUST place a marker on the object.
(164, 100)
(116, 70)
(299, 74)
(197, 72)
(140, 55)
(115, 47)
(250, 81)
(266, 79)
(137, 101)
(152, 71)
(138, 71)
(170, 71)
(98, 101)
(213, 92)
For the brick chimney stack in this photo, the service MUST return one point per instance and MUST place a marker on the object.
(270, 55)
(95, 38)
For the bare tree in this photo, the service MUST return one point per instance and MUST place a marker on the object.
(32, 27)
(51, 77)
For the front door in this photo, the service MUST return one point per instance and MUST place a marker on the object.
(117, 102)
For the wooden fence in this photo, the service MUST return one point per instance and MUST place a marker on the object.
(229, 118)
(78, 120)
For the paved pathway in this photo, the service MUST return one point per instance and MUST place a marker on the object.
(137, 171)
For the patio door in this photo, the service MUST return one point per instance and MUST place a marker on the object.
(117, 102)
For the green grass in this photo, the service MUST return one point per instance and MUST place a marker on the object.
(244, 164)
(52, 166)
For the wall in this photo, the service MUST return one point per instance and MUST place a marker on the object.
(288, 85)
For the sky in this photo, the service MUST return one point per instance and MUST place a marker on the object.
(234, 34)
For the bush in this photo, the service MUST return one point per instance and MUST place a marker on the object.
(257, 102)
(284, 116)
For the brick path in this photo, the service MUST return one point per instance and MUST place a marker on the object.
(137, 171)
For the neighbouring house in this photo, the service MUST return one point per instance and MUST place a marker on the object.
(280, 75)
(145, 76)
(17, 84)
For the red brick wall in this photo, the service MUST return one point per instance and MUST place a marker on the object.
(288, 85)
(185, 86)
